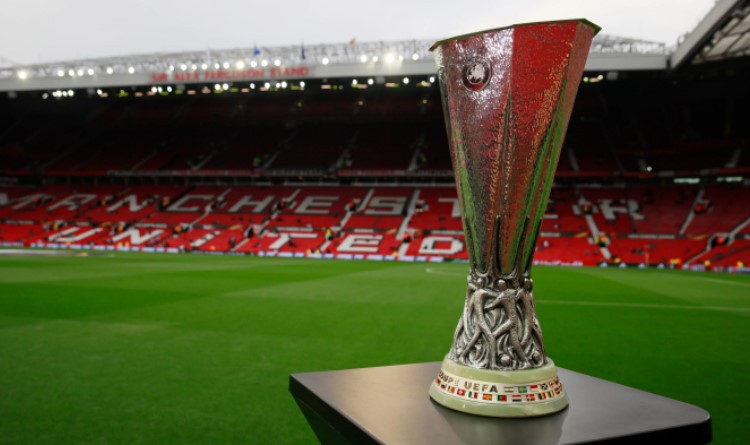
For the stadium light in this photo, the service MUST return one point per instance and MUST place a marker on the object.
(169, 89)
(267, 85)
(70, 93)
(406, 80)
(363, 58)
(60, 73)
(389, 58)
(217, 87)
(432, 79)
(226, 65)
(153, 89)
(283, 84)
(131, 70)
(110, 70)
(80, 72)
(277, 62)
(204, 66)
(171, 67)
(252, 86)
(264, 63)
(23, 75)
(370, 81)
(71, 73)
(354, 81)
(90, 72)
(217, 66)
(240, 64)
(302, 84)
(253, 63)
(374, 58)
(193, 67)
(278, 84)
(415, 56)
(400, 58)
(324, 61)
(225, 87)
(45, 95)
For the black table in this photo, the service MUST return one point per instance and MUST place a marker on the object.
(390, 405)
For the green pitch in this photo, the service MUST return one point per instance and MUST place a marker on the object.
(167, 349)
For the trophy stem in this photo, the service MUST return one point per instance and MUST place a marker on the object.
(498, 328)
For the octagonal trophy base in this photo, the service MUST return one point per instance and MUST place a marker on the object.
(497, 393)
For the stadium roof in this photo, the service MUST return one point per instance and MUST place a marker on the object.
(350, 60)
(723, 33)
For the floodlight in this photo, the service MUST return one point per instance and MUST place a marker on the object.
(204, 66)
(240, 64)
(277, 62)
(23, 75)
(302, 84)
(324, 61)
(354, 81)
(264, 63)
(225, 86)
(283, 84)
(363, 58)
(415, 56)
(389, 58)
(131, 70)
(370, 81)
(406, 80)
(253, 63)
(110, 70)
(60, 73)
(226, 65)
(90, 71)
(432, 79)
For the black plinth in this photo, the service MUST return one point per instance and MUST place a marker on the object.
(390, 405)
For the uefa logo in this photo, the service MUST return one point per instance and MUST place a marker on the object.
(476, 73)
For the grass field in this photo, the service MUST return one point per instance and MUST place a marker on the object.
(168, 349)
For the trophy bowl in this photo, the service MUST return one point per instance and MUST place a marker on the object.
(507, 97)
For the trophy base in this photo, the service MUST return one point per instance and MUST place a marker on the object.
(498, 393)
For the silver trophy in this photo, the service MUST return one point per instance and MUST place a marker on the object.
(507, 98)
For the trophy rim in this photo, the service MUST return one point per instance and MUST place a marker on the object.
(584, 21)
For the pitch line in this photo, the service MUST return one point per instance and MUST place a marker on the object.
(733, 283)
(646, 305)
(629, 305)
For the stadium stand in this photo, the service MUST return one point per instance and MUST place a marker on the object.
(361, 172)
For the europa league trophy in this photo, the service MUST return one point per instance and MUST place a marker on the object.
(507, 98)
